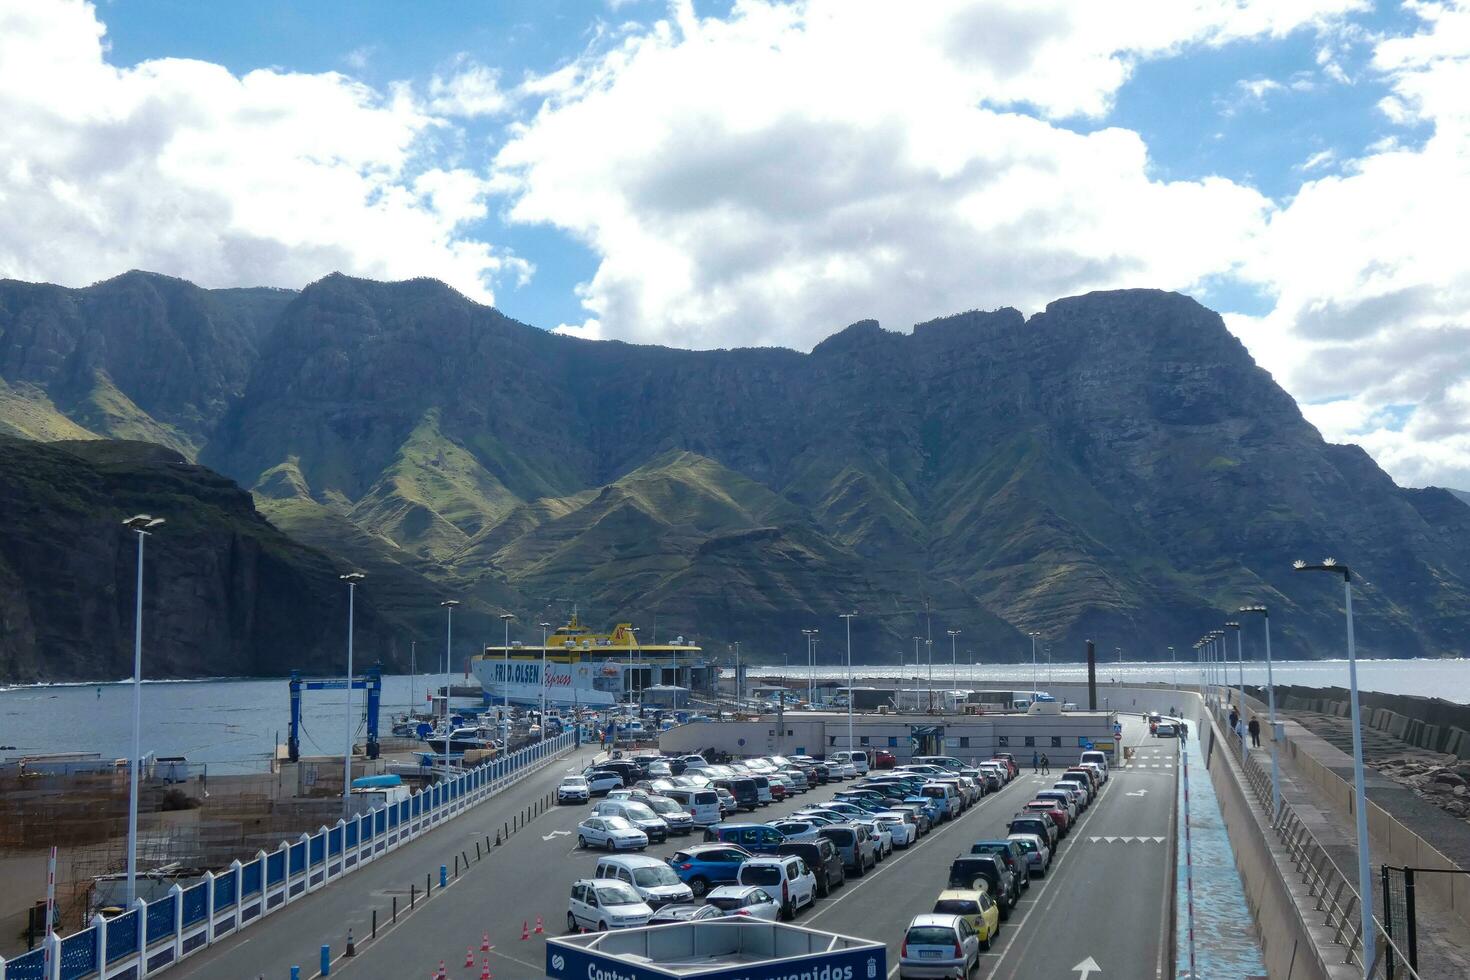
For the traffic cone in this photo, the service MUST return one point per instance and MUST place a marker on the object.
(485, 970)
(485, 943)
(443, 973)
(525, 930)
(469, 957)
(539, 929)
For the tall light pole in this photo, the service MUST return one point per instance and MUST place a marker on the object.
(448, 605)
(542, 720)
(954, 678)
(505, 619)
(142, 525)
(739, 687)
(351, 578)
(811, 665)
(1033, 664)
(633, 643)
(1265, 615)
(1175, 666)
(1360, 808)
(929, 655)
(1240, 664)
(848, 618)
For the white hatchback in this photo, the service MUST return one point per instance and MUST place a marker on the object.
(602, 904)
(613, 833)
(786, 877)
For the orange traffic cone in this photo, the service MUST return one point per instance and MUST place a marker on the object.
(469, 957)
(539, 929)
(485, 943)
(485, 970)
(443, 973)
(525, 930)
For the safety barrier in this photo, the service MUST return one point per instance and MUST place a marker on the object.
(152, 936)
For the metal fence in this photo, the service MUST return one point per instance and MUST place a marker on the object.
(1336, 898)
(150, 937)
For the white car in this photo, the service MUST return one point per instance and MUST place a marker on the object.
(671, 813)
(744, 900)
(694, 763)
(613, 833)
(939, 946)
(637, 814)
(1038, 855)
(786, 877)
(599, 783)
(882, 837)
(602, 904)
(797, 829)
(653, 880)
(902, 827)
(573, 789)
(857, 760)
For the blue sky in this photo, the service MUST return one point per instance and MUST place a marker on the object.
(707, 174)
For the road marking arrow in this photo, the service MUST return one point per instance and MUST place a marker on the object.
(556, 833)
(1086, 968)
(1141, 792)
(1126, 840)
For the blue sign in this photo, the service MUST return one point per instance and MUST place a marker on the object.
(565, 962)
(1086, 743)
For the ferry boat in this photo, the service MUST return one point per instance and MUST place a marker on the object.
(594, 670)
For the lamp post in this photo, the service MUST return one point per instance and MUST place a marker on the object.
(848, 622)
(505, 619)
(1033, 664)
(1360, 808)
(739, 687)
(1265, 615)
(1240, 664)
(142, 525)
(351, 578)
(448, 605)
(954, 679)
(811, 665)
(541, 722)
(633, 643)
(1174, 666)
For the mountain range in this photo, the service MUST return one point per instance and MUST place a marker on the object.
(1114, 468)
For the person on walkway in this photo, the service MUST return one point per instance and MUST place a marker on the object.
(1255, 729)
(1234, 718)
(1183, 732)
(1035, 761)
(1045, 766)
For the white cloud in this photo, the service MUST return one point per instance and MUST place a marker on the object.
(182, 167)
(469, 89)
(1317, 160)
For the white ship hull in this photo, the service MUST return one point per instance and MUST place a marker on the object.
(592, 684)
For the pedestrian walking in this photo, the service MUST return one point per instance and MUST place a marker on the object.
(1255, 729)
(1035, 761)
(1183, 733)
(1045, 765)
(1234, 718)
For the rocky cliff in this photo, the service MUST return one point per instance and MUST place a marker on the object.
(1115, 468)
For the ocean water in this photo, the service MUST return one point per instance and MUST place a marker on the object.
(232, 724)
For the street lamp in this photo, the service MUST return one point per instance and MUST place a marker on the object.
(811, 665)
(1360, 808)
(1033, 663)
(848, 618)
(929, 654)
(448, 605)
(541, 722)
(1265, 615)
(1174, 665)
(351, 578)
(1240, 664)
(141, 525)
(505, 619)
(954, 679)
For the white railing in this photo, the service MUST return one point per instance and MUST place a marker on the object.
(152, 936)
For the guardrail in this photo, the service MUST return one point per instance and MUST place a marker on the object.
(152, 936)
(1334, 893)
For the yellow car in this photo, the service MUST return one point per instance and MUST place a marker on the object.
(975, 907)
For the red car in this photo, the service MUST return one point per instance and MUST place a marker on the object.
(884, 760)
(1009, 761)
(1057, 814)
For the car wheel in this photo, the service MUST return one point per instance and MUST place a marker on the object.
(571, 922)
(862, 869)
(698, 886)
(787, 912)
(601, 926)
(823, 890)
(1005, 912)
(985, 943)
(581, 841)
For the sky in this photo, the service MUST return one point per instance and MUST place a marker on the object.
(708, 173)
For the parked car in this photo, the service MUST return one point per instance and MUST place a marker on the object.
(882, 836)
(883, 759)
(613, 833)
(1098, 757)
(705, 866)
(670, 812)
(934, 808)
(948, 797)
(683, 913)
(743, 789)
(573, 789)
(967, 869)
(823, 860)
(600, 905)
(798, 829)
(855, 846)
(1038, 855)
(702, 805)
(1166, 729)
(637, 814)
(757, 838)
(744, 900)
(1063, 799)
(1053, 810)
(857, 759)
(599, 781)
(938, 946)
(1034, 823)
(976, 907)
(763, 794)
(785, 877)
(653, 880)
(1010, 854)
(902, 824)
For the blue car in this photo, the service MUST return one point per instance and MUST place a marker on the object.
(931, 807)
(706, 866)
(757, 838)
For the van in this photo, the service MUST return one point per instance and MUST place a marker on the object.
(653, 880)
(1099, 757)
(702, 805)
(822, 858)
(762, 789)
(757, 838)
(857, 758)
(743, 788)
(854, 844)
(948, 797)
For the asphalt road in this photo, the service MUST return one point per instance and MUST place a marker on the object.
(1104, 900)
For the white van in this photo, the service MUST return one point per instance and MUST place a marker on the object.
(702, 805)
(653, 880)
(1099, 757)
(857, 758)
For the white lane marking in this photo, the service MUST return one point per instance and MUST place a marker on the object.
(556, 833)
(1086, 968)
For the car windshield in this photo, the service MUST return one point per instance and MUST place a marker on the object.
(930, 936)
(574, 781)
(617, 893)
(654, 875)
(617, 823)
(664, 806)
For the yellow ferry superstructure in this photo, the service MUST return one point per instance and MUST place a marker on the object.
(589, 669)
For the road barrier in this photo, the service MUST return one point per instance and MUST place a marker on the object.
(152, 936)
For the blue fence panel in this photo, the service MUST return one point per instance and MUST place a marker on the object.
(380, 821)
(224, 890)
(122, 936)
(418, 803)
(298, 857)
(352, 834)
(196, 904)
(334, 841)
(79, 954)
(393, 812)
(31, 966)
(275, 868)
(318, 849)
(250, 879)
(160, 919)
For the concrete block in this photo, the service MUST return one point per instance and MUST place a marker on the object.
(1398, 725)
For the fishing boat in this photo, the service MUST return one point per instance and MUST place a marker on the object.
(587, 669)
